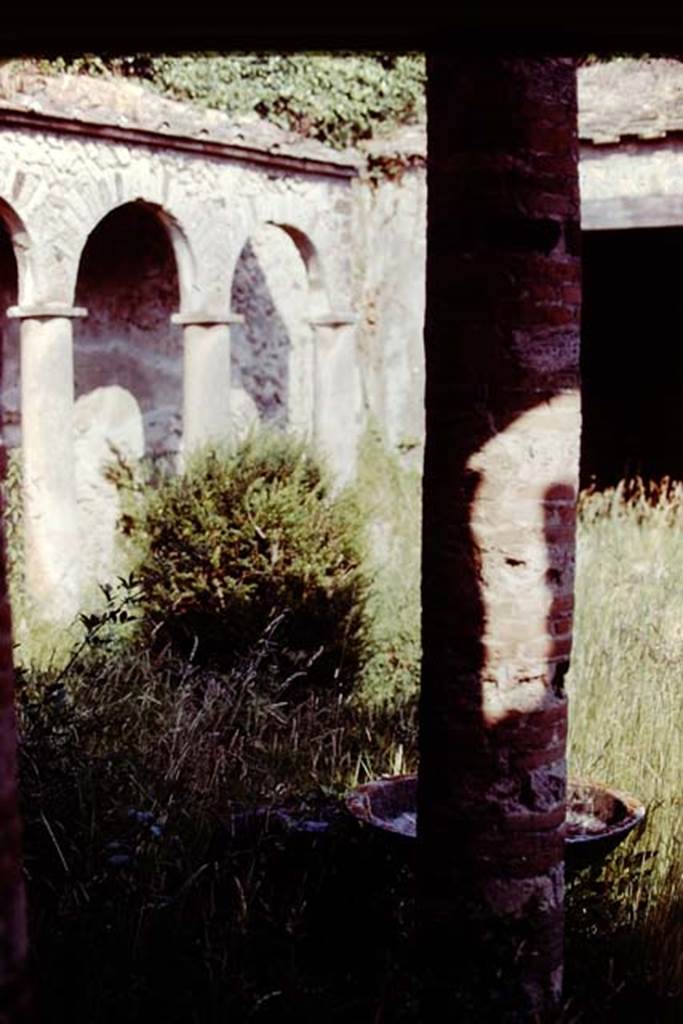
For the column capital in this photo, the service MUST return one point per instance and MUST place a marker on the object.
(333, 319)
(46, 310)
(205, 318)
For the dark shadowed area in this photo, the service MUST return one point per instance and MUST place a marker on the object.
(631, 355)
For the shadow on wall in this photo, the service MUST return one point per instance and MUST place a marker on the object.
(271, 360)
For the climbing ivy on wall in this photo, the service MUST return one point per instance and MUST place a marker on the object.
(336, 98)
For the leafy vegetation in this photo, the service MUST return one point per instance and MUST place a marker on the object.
(253, 541)
(337, 98)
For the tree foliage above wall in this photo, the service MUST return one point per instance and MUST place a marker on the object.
(337, 98)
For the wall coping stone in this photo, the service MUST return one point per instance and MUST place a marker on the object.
(126, 111)
(13, 118)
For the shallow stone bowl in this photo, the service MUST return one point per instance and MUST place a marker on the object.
(598, 818)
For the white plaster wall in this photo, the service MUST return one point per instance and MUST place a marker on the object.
(631, 185)
(390, 283)
(107, 426)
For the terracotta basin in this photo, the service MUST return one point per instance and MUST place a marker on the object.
(599, 817)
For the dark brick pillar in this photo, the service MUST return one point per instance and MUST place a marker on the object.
(14, 1001)
(501, 468)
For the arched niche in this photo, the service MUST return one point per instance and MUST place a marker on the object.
(317, 303)
(278, 288)
(128, 280)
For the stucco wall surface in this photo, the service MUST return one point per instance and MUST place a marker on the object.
(390, 235)
(632, 185)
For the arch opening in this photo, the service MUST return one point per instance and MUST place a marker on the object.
(128, 371)
(10, 398)
(317, 297)
(14, 246)
(275, 287)
(128, 280)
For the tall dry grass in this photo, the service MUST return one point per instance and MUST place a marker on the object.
(626, 728)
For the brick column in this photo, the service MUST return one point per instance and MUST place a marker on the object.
(14, 1001)
(52, 544)
(501, 469)
(206, 378)
(337, 399)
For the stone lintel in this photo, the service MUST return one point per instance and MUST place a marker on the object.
(333, 320)
(46, 310)
(200, 319)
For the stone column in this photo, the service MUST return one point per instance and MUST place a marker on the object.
(51, 539)
(500, 479)
(206, 378)
(337, 396)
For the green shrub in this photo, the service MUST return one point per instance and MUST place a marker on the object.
(250, 542)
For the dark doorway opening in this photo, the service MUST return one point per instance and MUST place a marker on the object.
(632, 355)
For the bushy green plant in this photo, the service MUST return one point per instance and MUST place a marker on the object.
(254, 540)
